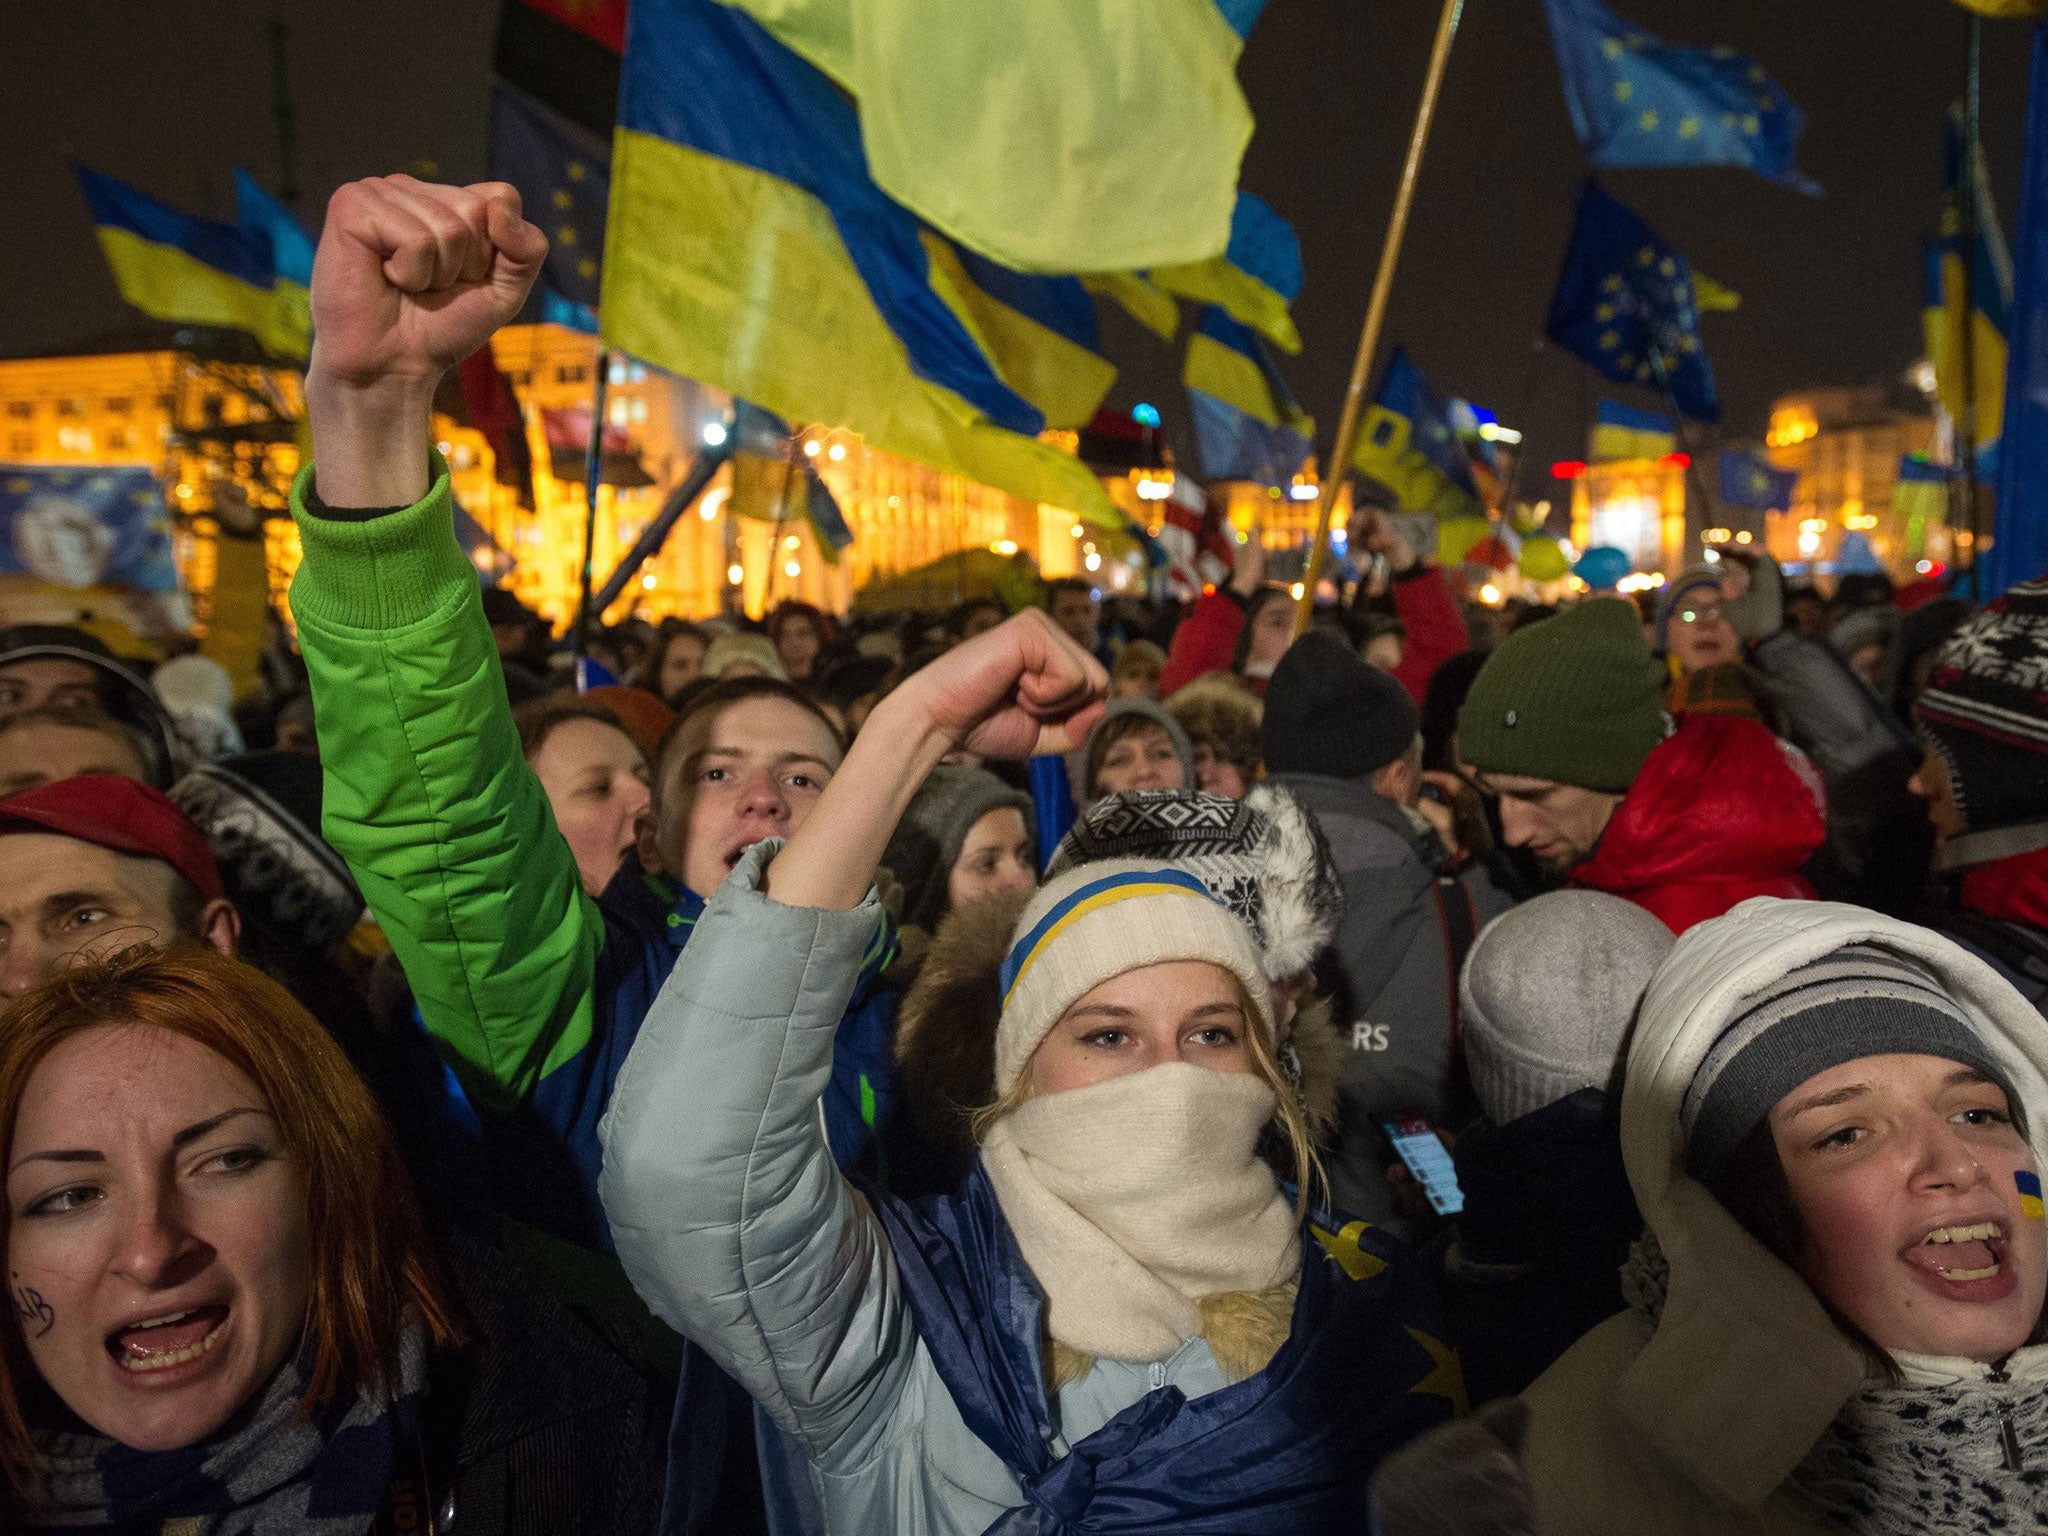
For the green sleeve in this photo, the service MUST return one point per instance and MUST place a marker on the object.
(430, 800)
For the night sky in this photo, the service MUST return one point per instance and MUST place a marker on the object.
(170, 96)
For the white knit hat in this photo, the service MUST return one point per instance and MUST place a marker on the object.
(1549, 991)
(1099, 921)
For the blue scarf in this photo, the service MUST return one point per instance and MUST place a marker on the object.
(1286, 1452)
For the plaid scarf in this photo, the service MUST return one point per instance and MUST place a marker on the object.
(278, 1474)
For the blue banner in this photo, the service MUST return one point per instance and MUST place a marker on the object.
(86, 526)
(2019, 551)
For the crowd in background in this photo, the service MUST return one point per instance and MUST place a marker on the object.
(439, 1092)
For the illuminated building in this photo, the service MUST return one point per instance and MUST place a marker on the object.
(1846, 444)
(222, 430)
(1636, 506)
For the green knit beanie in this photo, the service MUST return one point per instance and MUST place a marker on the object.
(1576, 699)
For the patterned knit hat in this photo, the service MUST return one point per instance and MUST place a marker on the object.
(1263, 857)
(1576, 699)
(261, 817)
(1984, 711)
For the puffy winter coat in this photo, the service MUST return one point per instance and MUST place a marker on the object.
(909, 1361)
(1687, 1414)
(1721, 811)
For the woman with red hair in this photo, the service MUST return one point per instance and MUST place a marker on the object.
(227, 1313)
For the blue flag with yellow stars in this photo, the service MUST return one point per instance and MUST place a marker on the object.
(563, 173)
(80, 526)
(1750, 480)
(1637, 100)
(1625, 303)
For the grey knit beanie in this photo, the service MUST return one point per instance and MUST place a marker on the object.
(1862, 1000)
(927, 841)
(1549, 991)
(1100, 740)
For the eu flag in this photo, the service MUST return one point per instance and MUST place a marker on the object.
(86, 526)
(1749, 480)
(1411, 446)
(563, 173)
(1636, 100)
(1625, 303)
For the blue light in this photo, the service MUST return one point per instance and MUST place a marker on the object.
(1145, 415)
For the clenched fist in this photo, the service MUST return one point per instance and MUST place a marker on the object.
(410, 278)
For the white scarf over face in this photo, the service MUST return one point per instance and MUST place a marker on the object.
(1134, 1198)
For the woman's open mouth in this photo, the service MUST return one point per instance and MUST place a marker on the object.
(173, 1339)
(1967, 1260)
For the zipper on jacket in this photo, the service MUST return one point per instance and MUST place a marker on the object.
(2008, 1435)
(1156, 1375)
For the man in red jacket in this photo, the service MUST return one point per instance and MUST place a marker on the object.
(1212, 638)
(1566, 724)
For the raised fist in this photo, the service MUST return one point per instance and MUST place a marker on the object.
(412, 277)
(1021, 688)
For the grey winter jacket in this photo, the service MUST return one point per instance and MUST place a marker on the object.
(734, 1225)
(1396, 982)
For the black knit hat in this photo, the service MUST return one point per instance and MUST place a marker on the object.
(123, 693)
(261, 816)
(1984, 712)
(1329, 712)
(927, 841)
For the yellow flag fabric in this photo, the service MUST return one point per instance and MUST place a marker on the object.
(724, 273)
(976, 115)
(170, 284)
(2022, 10)
(1941, 326)
(1145, 302)
(1709, 295)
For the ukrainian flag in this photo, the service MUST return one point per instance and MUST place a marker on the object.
(291, 249)
(748, 247)
(1041, 333)
(1410, 446)
(1247, 425)
(1623, 432)
(1920, 499)
(174, 267)
(1255, 279)
(978, 116)
(1990, 292)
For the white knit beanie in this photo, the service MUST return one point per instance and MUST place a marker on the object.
(1549, 991)
(1099, 921)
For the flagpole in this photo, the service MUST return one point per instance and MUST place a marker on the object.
(1375, 315)
(593, 469)
(1966, 340)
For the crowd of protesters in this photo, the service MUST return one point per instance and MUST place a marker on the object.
(440, 1096)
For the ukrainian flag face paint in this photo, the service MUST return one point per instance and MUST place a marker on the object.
(2030, 1195)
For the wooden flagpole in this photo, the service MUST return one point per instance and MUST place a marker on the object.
(1375, 316)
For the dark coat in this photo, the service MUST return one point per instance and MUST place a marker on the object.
(535, 1427)
(1536, 1259)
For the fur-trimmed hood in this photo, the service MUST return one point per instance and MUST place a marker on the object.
(946, 1040)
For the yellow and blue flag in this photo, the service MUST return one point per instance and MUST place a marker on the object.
(746, 246)
(975, 117)
(1256, 278)
(1041, 333)
(1990, 290)
(1247, 426)
(175, 267)
(1920, 499)
(1623, 432)
(1410, 445)
(1751, 481)
(1625, 304)
(1636, 100)
(291, 253)
(772, 481)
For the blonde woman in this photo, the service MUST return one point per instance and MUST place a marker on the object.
(1122, 1321)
